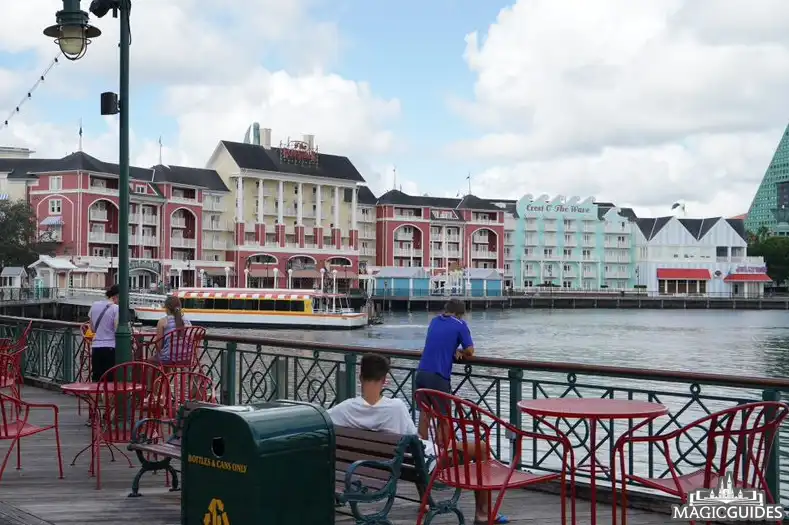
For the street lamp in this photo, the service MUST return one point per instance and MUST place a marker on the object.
(227, 277)
(276, 279)
(246, 277)
(73, 33)
(290, 278)
(323, 273)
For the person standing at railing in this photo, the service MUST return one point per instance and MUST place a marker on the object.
(103, 323)
(448, 339)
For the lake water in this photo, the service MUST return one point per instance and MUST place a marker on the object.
(754, 343)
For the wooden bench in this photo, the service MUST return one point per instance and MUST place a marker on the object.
(368, 466)
(146, 443)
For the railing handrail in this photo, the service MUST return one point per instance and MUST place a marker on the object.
(496, 362)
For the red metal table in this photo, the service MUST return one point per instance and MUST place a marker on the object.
(87, 392)
(591, 410)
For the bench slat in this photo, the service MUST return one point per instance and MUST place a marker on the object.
(369, 436)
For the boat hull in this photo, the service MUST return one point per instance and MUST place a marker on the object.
(349, 321)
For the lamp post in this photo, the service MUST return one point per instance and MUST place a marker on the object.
(323, 273)
(290, 278)
(334, 290)
(246, 277)
(276, 279)
(73, 33)
(227, 277)
(202, 278)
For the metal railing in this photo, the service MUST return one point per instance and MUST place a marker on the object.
(252, 370)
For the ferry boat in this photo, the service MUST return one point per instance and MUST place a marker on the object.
(256, 308)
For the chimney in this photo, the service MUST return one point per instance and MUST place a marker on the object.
(265, 137)
(310, 140)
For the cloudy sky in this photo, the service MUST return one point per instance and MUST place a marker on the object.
(642, 103)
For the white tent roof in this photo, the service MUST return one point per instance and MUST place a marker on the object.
(489, 274)
(54, 263)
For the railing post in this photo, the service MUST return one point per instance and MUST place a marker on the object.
(281, 376)
(515, 376)
(773, 474)
(227, 394)
(346, 379)
(68, 356)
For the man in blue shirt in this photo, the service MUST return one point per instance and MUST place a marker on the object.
(447, 332)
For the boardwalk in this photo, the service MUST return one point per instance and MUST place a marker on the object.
(35, 495)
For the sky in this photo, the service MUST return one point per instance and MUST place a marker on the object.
(641, 103)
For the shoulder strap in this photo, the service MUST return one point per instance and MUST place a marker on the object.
(101, 316)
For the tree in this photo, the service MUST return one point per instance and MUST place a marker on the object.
(20, 244)
(775, 251)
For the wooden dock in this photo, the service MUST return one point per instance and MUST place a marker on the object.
(35, 496)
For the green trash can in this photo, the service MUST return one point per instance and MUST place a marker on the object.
(271, 464)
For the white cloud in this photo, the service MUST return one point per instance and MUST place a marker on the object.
(636, 102)
(207, 58)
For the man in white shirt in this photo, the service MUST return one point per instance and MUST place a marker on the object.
(374, 411)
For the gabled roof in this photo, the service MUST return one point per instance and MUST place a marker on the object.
(366, 196)
(698, 228)
(651, 227)
(53, 262)
(605, 207)
(81, 161)
(472, 202)
(200, 177)
(13, 271)
(254, 157)
(487, 274)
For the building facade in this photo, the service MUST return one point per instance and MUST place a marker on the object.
(438, 233)
(292, 215)
(678, 256)
(767, 210)
(570, 243)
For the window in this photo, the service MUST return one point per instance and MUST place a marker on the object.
(567, 284)
(567, 268)
(547, 252)
(568, 238)
(568, 252)
(140, 189)
(55, 183)
(55, 206)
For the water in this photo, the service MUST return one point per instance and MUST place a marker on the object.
(754, 343)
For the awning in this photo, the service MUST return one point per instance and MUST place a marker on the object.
(747, 278)
(683, 274)
(4, 197)
(262, 272)
(52, 221)
(306, 274)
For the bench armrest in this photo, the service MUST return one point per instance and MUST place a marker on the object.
(138, 438)
(357, 487)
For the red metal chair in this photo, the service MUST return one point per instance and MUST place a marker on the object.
(122, 399)
(737, 440)
(184, 344)
(461, 433)
(84, 361)
(8, 375)
(15, 425)
(16, 349)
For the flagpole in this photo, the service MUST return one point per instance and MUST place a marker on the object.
(160, 150)
(80, 134)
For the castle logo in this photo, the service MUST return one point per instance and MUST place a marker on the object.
(727, 502)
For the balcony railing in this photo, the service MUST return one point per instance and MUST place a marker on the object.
(367, 251)
(110, 238)
(180, 242)
(483, 254)
(214, 244)
(178, 222)
(97, 215)
(149, 219)
(181, 199)
(408, 252)
(211, 205)
(148, 240)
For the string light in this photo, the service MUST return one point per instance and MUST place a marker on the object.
(30, 92)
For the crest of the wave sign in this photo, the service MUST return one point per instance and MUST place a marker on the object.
(559, 204)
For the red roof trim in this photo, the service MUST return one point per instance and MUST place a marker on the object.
(684, 274)
(747, 278)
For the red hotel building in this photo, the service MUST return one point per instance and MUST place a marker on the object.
(434, 232)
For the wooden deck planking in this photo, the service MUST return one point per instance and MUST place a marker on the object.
(35, 495)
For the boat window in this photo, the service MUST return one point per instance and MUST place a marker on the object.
(238, 304)
(196, 303)
(266, 304)
(220, 304)
(209, 304)
(282, 306)
(297, 306)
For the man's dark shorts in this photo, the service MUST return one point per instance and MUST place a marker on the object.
(433, 381)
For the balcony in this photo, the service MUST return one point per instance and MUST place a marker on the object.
(450, 254)
(180, 242)
(483, 254)
(367, 251)
(618, 228)
(97, 215)
(214, 244)
(149, 240)
(178, 222)
(613, 274)
(215, 225)
(153, 220)
(616, 259)
(103, 190)
(549, 226)
(452, 238)
(182, 199)
(365, 217)
(367, 234)
(109, 238)
(213, 205)
(404, 237)
(408, 252)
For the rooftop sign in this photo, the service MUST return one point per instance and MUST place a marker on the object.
(298, 152)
